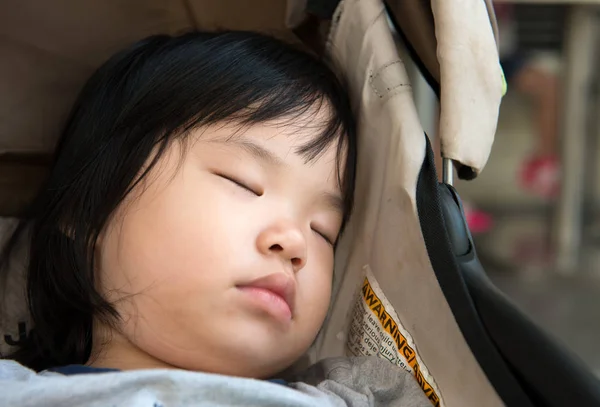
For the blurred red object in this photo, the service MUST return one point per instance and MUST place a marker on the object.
(478, 221)
(541, 176)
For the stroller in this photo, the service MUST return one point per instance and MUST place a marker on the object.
(408, 285)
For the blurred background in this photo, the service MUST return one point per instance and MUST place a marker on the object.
(535, 209)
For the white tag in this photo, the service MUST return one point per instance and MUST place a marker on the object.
(375, 330)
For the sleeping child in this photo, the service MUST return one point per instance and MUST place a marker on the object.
(181, 250)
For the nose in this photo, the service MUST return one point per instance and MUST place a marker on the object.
(286, 240)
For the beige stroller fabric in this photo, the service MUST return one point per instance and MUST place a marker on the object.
(387, 300)
(456, 41)
(470, 78)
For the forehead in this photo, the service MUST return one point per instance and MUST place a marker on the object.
(286, 141)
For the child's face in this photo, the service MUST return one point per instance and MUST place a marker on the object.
(193, 260)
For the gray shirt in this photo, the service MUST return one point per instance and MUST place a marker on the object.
(338, 382)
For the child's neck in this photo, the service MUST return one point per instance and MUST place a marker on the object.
(119, 353)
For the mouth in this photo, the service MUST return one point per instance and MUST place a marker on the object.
(274, 294)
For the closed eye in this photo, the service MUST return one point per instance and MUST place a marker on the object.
(324, 237)
(240, 184)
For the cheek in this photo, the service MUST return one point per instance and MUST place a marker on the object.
(151, 246)
(170, 260)
(172, 245)
(315, 284)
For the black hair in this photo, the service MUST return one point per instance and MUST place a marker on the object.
(128, 112)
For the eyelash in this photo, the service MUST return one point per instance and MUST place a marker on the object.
(328, 240)
(240, 184)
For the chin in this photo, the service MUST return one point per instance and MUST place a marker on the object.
(262, 365)
(264, 369)
(249, 358)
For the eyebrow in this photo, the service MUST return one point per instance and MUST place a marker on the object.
(257, 151)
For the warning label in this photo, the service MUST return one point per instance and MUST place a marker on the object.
(375, 330)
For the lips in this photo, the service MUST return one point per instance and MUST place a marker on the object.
(275, 292)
